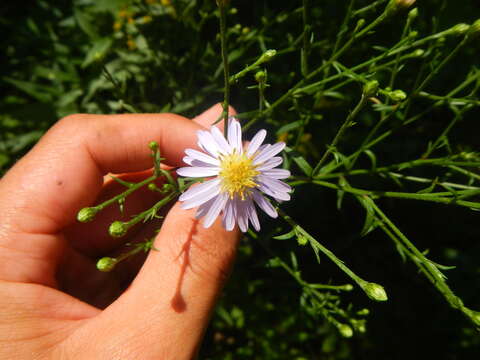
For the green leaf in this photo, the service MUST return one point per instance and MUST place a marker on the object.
(372, 158)
(85, 24)
(289, 127)
(98, 51)
(370, 218)
(286, 236)
(300, 161)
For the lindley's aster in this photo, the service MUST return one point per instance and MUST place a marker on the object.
(241, 175)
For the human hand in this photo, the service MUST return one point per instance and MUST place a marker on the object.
(51, 295)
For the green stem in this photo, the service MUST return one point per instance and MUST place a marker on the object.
(348, 123)
(132, 188)
(323, 249)
(223, 39)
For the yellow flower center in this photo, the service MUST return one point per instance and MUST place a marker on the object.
(237, 172)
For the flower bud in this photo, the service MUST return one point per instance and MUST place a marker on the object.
(268, 55)
(87, 214)
(375, 291)
(398, 5)
(412, 14)
(153, 145)
(418, 53)
(404, 4)
(363, 312)
(370, 88)
(106, 264)
(460, 29)
(302, 240)
(475, 28)
(152, 187)
(260, 76)
(345, 330)
(167, 187)
(397, 95)
(117, 229)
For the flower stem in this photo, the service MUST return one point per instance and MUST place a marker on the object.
(223, 43)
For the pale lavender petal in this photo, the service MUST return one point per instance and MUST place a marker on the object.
(229, 215)
(235, 134)
(270, 164)
(202, 157)
(242, 215)
(278, 195)
(277, 173)
(198, 171)
(274, 184)
(187, 160)
(203, 209)
(256, 141)
(196, 189)
(200, 198)
(252, 215)
(220, 140)
(264, 204)
(215, 209)
(207, 143)
(268, 153)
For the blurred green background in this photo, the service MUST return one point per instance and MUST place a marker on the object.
(114, 56)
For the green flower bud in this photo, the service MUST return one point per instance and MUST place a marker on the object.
(398, 5)
(268, 55)
(459, 29)
(153, 145)
(302, 240)
(117, 229)
(375, 291)
(412, 14)
(475, 28)
(233, 11)
(87, 214)
(260, 76)
(397, 95)
(413, 34)
(370, 88)
(348, 287)
(166, 188)
(418, 53)
(152, 187)
(106, 264)
(363, 312)
(345, 330)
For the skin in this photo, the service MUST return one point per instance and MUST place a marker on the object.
(54, 304)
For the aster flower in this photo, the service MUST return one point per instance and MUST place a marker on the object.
(241, 177)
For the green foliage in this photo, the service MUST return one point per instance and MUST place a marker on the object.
(378, 106)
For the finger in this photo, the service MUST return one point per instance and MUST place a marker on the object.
(173, 294)
(183, 277)
(92, 238)
(64, 172)
(211, 115)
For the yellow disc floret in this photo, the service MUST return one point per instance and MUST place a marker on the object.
(237, 172)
